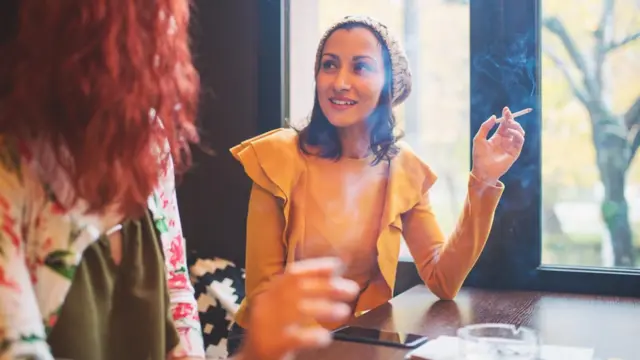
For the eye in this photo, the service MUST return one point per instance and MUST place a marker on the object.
(328, 65)
(358, 67)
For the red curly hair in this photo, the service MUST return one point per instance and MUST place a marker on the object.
(90, 77)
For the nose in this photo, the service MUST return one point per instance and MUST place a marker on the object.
(342, 81)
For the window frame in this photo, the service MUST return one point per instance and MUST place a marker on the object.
(511, 259)
(272, 64)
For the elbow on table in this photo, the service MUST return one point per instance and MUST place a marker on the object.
(445, 295)
(442, 289)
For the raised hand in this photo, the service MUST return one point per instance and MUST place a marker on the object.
(494, 156)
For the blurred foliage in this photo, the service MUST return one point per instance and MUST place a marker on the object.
(568, 154)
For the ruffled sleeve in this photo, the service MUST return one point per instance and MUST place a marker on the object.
(273, 163)
(271, 160)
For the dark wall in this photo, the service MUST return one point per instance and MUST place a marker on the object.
(213, 195)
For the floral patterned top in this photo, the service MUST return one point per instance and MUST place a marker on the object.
(41, 244)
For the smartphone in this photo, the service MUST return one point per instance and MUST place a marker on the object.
(379, 337)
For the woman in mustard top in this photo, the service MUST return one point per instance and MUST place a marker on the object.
(344, 185)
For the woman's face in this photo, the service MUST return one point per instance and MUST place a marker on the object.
(351, 76)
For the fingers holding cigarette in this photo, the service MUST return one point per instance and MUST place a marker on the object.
(515, 114)
(505, 127)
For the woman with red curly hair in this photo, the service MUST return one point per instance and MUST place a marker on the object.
(83, 148)
(97, 107)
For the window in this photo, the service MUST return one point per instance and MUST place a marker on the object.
(435, 118)
(590, 184)
(518, 58)
(549, 232)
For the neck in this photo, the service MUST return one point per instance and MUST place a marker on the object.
(355, 141)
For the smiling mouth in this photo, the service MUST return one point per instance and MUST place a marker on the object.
(342, 102)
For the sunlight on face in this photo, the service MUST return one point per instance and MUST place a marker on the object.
(351, 76)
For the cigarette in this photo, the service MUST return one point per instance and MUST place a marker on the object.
(515, 114)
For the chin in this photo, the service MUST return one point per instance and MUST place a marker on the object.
(340, 122)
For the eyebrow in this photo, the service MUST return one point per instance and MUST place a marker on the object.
(357, 57)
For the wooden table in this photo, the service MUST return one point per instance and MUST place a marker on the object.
(609, 325)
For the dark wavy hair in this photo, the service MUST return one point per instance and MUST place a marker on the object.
(383, 136)
(85, 75)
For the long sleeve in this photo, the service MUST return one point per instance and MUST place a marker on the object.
(266, 253)
(272, 161)
(184, 307)
(22, 331)
(444, 264)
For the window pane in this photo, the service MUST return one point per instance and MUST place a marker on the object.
(591, 128)
(435, 118)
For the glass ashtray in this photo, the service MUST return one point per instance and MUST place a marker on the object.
(498, 342)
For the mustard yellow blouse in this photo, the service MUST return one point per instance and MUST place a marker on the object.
(294, 194)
